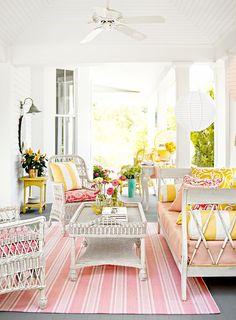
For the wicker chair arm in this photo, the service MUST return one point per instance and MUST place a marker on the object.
(35, 232)
(37, 222)
(58, 192)
(8, 214)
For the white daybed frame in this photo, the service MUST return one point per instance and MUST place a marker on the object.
(196, 196)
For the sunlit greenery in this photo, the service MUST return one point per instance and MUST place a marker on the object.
(118, 132)
(203, 142)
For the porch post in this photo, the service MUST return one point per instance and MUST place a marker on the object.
(182, 135)
(83, 105)
(222, 128)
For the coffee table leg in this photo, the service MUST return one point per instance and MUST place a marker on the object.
(73, 274)
(142, 272)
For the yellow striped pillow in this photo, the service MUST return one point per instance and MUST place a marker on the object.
(215, 229)
(67, 174)
(213, 173)
(168, 192)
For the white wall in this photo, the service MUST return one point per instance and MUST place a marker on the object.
(43, 92)
(14, 86)
(152, 107)
(232, 137)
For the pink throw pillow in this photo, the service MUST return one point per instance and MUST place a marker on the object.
(80, 195)
(191, 182)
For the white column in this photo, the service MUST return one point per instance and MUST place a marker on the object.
(83, 105)
(152, 107)
(231, 112)
(222, 141)
(182, 135)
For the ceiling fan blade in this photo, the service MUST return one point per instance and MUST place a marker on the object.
(102, 88)
(142, 19)
(130, 32)
(100, 11)
(93, 34)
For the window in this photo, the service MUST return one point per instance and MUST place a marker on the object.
(65, 112)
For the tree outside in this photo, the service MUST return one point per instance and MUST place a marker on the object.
(118, 132)
(203, 142)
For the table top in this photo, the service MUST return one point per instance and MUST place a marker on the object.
(34, 179)
(85, 221)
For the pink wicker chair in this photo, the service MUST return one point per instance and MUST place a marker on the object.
(22, 263)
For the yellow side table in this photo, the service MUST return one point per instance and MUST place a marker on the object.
(40, 182)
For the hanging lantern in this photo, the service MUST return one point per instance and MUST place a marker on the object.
(232, 78)
(195, 111)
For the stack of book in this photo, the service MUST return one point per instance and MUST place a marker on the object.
(118, 213)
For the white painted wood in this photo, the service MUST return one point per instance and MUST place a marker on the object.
(109, 241)
(182, 135)
(196, 196)
(220, 133)
(83, 105)
(193, 30)
(22, 271)
(62, 211)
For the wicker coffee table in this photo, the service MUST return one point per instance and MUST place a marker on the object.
(107, 241)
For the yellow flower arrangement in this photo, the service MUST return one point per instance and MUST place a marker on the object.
(33, 160)
(170, 146)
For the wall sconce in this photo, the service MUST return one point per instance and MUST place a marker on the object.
(32, 110)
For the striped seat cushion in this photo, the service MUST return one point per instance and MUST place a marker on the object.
(67, 174)
(215, 229)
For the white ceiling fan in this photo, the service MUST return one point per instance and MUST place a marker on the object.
(110, 19)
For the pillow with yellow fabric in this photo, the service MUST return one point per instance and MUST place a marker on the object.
(215, 229)
(67, 174)
(194, 207)
(225, 174)
(168, 192)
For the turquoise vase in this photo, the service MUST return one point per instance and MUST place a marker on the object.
(131, 188)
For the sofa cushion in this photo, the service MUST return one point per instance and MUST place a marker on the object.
(215, 222)
(174, 235)
(168, 192)
(16, 241)
(67, 174)
(191, 182)
(80, 195)
(227, 175)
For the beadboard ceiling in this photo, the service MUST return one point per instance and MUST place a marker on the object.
(189, 23)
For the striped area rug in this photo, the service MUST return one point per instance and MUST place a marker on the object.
(113, 290)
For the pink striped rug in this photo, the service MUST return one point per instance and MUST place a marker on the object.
(109, 289)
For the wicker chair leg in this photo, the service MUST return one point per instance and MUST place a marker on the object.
(43, 300)
(63, 230)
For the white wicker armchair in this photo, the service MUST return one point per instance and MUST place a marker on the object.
(62, 211)
(22, 263)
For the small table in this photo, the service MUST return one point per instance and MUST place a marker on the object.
(40, 182)
(150, 171)
(108, 241)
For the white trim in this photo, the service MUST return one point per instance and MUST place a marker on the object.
(195, 196)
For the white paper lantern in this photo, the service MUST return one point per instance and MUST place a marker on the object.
(195, 111)
(232, 78)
